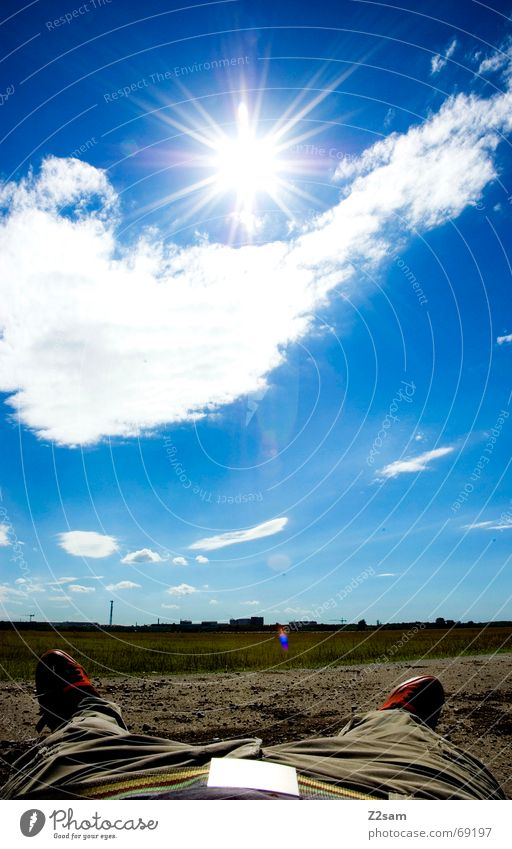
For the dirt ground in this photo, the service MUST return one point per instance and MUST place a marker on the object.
(281, 706)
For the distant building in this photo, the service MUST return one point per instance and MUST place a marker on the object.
(185, 621)
(301, 623)
(249, 622)
(209, 625)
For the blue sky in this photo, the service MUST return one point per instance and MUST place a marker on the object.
(255, 311)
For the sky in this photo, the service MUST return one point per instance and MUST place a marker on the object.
(255, 313)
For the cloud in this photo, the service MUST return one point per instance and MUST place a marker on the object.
(122, 585)
(143, 555)
(180, 561)
(30, 586)
(213, 601)
(414, 464)
(496, 525)
(181, 589)
(266, 529)
(386, 574)
(201, 559)
(279, 562)
(438, 61)
(389, 117)
(171, 606)
(78, 588)
(4, 535)
(7, 593)
(504, 340)
(84, 336)
(250, 603)
(87, 544)
(59, 598)
(500, 60)
(66, 579)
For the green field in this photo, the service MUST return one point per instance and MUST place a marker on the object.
(117, 653)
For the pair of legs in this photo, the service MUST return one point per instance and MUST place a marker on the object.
(392, 752)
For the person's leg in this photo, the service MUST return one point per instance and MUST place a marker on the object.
(95, 745)
(394, 750)
(89, 739)
(390, 752)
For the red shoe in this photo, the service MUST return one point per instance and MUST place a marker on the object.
(61, 683)
(422, 696)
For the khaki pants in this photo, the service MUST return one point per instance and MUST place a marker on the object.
(382, 752)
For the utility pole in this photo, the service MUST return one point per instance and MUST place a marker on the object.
(30, 616)
(111, 613)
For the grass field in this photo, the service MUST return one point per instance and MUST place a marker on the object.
(114, 653)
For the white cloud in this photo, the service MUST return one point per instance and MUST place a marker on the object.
(58, 598)
(4, 535)
(78, 588)
(279, 562)
(496, 525)
(201, 559)
(34, 588)
(493, 63)
(66, 579)
(500, 60)
(476, 525)
(181, 589)
(171, 606)
(87, 544)
(504, 340)
(143, 555)
(180, 561)
(389, 117)
(386, 574)
(29, 585)
(438, 61)
(250, 603)
(7, 593)
(414, 464)
(122, 585)
(266, 529)
(84, 348)
(213, 601)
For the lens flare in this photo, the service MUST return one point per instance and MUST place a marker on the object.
(283, 639)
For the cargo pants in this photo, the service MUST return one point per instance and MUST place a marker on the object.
(385, 754)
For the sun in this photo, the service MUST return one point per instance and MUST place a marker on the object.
(246, 166)
(249, 171)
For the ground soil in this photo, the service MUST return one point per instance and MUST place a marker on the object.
(288, 705)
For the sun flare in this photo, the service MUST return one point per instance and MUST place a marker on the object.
(246, 166)
(250, 171)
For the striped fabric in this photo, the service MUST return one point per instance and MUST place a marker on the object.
(151, 785)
